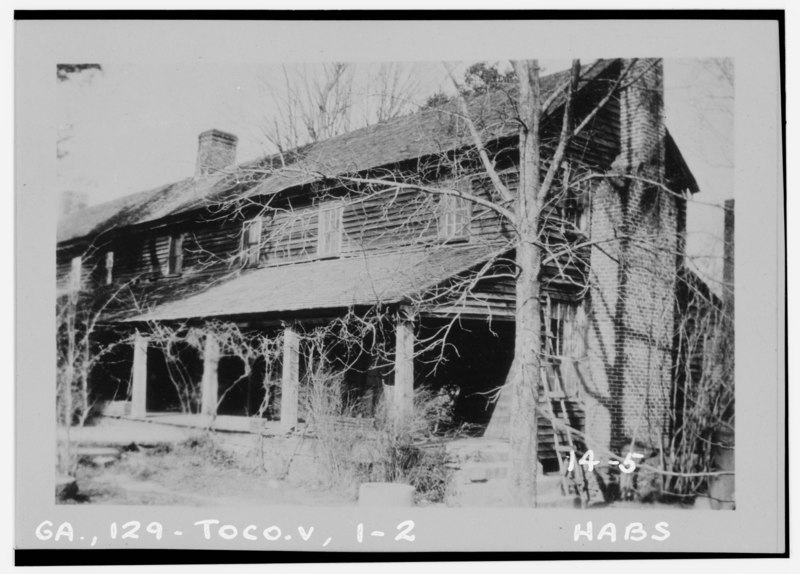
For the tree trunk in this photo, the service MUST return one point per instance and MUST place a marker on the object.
(525, 379)
(64, 454)
(525, 373)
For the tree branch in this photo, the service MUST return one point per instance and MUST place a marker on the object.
(488, 164)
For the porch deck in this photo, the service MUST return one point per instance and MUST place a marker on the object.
(163, 428)
(220, 423)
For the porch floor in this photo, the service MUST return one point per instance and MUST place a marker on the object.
(221, 423)
(161, 428)
(119, 432)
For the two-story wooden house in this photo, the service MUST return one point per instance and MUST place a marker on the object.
(353, 227)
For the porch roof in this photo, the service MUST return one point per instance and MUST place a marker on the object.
(367, 279)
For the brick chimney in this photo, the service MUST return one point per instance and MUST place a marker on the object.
(631, 303)
(72, 201)
(641, 111)
(727, 265)
(215, 152)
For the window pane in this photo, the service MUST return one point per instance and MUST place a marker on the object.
(454, 217)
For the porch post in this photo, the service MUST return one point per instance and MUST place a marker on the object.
(403, 399)
(209, 388)
(139, 376)
(290, 380)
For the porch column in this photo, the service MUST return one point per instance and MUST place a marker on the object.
(290, 380)
(403, 396)
(209, 388)
(139, 376)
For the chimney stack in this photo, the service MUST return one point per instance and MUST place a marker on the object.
(72, 201)
(216, 151)
(642, 127)
(728, 261)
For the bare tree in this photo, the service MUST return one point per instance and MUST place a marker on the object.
(79, 317)
(314, 103)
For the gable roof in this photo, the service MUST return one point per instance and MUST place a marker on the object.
(423, 133)
(325, 284)
(675, 163)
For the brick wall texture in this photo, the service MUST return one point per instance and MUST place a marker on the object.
(635, 229)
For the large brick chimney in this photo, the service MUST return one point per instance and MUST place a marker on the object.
(727, 267)
(641, 110)
(634, 224)
(215, 152)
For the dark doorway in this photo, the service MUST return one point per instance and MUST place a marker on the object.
(173, 384)
(475, 362)
(110, 378)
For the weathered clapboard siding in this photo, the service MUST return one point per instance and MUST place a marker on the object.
(140, 257)
(495, 297)
(207, 248)
(386, 221)
(599, 143)
(290, 236)
(63, 270)
(389, 220)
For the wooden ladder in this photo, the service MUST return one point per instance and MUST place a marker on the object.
(575, 479)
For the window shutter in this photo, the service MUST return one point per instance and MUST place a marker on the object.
(170, 255)
(178, 254)
(254, 236)
(109, 267)
(175, 254)
(254, 242)
(75, 273)
(251, 242)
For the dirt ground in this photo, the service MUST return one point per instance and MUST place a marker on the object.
(174, 466)
(192, 473)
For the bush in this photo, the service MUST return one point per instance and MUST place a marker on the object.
(352, 450)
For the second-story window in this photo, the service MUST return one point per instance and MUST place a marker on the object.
(251, 242)
(570, 216)
(454, 217)
(569, 211)
(175, 257)
(329, 239)
(109, 268)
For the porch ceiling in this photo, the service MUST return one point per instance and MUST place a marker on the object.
(325, 284)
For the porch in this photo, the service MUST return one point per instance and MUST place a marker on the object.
(464, 350)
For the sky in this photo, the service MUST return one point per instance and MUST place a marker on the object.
(134, 125)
